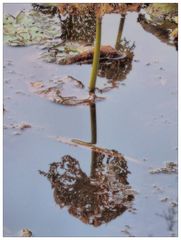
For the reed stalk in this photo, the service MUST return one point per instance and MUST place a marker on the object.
(95, 65)
(120, 31)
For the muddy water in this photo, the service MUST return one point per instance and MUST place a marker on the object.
(138, 119)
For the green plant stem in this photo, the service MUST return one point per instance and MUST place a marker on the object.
(120, 31)
(96, 57)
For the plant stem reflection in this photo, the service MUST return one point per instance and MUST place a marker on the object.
(94, 199)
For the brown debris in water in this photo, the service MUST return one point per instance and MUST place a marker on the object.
(94, 148)
(170, 168)
(85, 56)
(37, 84)
(161, 31)
(20, 126)
(114, 64)
(94, 199)
(161, 19)
(23, 126)
(25, 232)
(90, 146)
(74, 52)
(99, 8)
(68, 91)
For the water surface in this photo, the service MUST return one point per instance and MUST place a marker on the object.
(138, 119)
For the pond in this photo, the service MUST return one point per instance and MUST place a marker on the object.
(137, 118)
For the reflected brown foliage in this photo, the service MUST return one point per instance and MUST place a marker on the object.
(97, 199)
(105, 194)
(115, 66)
(99, 8)
(79, 27)
(115, 63)
(116, 69)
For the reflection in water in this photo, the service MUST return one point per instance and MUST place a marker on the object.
(161, 31)
(79, 27)
(78, 35)
(120, 31)
(94, 199)
(83, 27)
(117, 68)
(93, 123)
(170, 217)
(105, 194)
(74, 27)
(114, 66)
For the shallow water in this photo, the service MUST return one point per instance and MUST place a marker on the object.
(138, 119)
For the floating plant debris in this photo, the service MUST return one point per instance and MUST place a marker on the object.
(94, 199)
(114, 64)
(19, 127)
(30, 27)
(166, 32)
(93, 147)
(101, 191)
(162, 21)
(22, 126)
(74, 52)
(37, 84)
(77, 142)
(46, 8)
(25, 232)
(170, 167)
(67, 91)
(163, 11)
(38, 26)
